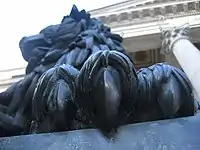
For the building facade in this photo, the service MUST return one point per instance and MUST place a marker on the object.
(7, 77)
(140, 23)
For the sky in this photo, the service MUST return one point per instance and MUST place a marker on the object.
(27, 17)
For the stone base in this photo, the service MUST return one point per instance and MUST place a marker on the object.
(182, 134)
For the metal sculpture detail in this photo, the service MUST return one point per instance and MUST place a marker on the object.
(80, 76)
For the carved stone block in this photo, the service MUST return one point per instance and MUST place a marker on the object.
(135, 15)
(113, 18)
(146, 13)
(123, 16)
(191, 6)
(180, 8)
(185, 7)
(168, 9)
(197, 5)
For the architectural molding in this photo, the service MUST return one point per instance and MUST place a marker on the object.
(7, 77)
(120, 6)
(9, 81)
(4, 84)
(153, 11)
(134, 38)
(12, 73)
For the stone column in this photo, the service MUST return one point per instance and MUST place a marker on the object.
(177, 41)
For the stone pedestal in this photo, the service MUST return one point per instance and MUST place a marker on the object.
(173, 134)
(178, 42)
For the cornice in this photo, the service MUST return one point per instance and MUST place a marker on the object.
(154, 27)
(4, 83)
(120, 6)
(11, 73)
(157, 10)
